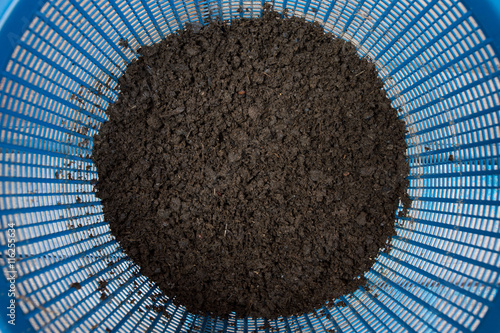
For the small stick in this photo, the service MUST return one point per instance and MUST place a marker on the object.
(225, 231)
(360, 73)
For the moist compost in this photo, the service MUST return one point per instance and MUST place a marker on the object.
(255, 167)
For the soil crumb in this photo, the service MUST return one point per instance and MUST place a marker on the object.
(253, 168)
(75, 285)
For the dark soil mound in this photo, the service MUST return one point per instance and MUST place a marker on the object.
(254, 168)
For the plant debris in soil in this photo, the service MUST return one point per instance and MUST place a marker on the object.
(253, 168)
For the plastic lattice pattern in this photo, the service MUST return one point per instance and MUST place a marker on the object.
(60, 61)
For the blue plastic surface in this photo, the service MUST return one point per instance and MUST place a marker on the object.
(438, 59)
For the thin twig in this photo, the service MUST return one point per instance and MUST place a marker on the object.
(24, 298)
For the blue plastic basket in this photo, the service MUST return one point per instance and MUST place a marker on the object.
(60, 60)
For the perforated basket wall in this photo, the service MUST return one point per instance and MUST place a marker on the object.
(60, 61)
